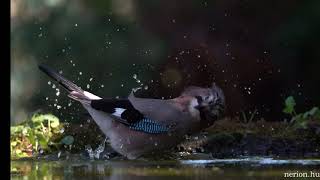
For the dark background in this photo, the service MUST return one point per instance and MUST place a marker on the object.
(259, 52)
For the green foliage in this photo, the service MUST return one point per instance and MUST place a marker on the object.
(40, 134)
(290, 103)
(300, 120)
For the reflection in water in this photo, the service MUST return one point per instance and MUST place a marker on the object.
(249, 168)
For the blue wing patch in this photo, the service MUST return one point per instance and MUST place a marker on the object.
(148, 126)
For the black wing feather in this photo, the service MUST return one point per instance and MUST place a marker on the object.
(130, 114)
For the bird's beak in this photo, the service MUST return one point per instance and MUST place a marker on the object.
(197, 107)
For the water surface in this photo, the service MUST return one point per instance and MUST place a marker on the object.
(242, 168)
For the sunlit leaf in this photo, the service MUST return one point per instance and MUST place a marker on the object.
(35, 133)
(18, 151)
(14, 143)
(55, 124)
(16, 129)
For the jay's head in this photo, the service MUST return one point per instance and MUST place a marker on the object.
(210, 102)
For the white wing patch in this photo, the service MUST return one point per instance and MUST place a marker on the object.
(91, 96)
(118, 112)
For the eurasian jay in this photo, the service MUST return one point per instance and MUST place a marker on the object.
(141, 126)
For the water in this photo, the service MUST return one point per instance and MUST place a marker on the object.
(246, 168)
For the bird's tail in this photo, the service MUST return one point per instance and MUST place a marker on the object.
(75, 92)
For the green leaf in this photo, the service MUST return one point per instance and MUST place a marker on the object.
(289, 105)
(55, 124)
(32, 138)
(306, 115)
(18, 151)
(314, 111)
(16, 129)
(14, 143)
(68, 140)
(43, 141)
(43, 117)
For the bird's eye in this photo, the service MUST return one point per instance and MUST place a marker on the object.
(199, 98)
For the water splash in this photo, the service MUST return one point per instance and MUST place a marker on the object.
(90, 152)
(100, 149)
(96, 153)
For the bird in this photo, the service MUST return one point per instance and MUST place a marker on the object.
(137, 126)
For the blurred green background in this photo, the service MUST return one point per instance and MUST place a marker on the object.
(259, 52)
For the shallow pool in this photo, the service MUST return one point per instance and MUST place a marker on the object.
(243, 168)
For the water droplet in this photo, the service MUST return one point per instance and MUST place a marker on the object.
(76, 25)
(49, 82)
(122, 85)
(90, 79)
(88, 86)
(58, 107)
(47, 98)
(146, 87)
(58, 93)
(53, 86)
(199, 56)
(102, 85)
(134, 76)
(80, 73)
(155, 144)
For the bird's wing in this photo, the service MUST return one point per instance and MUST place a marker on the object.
(125, 113)
(122, 109)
